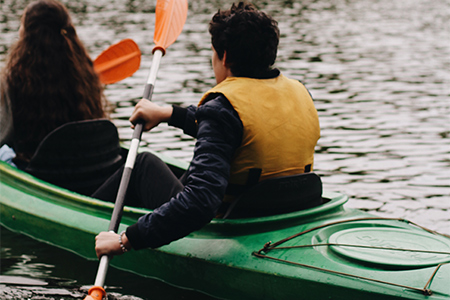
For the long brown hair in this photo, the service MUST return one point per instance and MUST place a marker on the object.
(49, 77)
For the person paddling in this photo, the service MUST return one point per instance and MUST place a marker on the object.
(254, 125)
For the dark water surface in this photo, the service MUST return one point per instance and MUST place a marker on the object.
(379, 72)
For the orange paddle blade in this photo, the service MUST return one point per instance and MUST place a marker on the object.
(118, 62)
(170, 18)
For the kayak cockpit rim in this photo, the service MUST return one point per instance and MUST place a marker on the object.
(15, 177)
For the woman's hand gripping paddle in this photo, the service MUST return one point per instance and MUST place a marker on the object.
(118, 62)
(170, 18)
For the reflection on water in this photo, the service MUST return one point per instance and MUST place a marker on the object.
(34, 270)
(379, 72)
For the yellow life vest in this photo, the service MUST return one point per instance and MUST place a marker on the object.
(281, 126)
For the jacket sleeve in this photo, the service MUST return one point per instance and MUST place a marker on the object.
(184, 118)
(219, 134)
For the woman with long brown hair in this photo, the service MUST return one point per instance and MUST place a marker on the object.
(48, 85)
(48, 80)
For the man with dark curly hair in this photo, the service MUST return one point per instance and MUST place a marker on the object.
(254, 125)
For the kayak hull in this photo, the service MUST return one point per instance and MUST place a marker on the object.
(222, 259)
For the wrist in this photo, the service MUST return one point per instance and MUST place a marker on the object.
(124, 243)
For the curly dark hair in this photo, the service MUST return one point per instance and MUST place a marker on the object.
(49, 77)
(249, 36)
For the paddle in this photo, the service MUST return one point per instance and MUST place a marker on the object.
(170, 18)
(118, 62)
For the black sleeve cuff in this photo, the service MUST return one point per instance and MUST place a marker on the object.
(134, 238)
(178, 118)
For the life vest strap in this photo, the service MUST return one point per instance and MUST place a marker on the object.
(253, 178)
(254, 175)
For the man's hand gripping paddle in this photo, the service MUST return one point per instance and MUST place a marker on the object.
(170, 18)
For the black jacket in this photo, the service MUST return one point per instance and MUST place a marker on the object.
(218, 130)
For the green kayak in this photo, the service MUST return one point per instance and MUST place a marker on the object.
(325, 252)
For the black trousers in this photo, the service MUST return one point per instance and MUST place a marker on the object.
(152, 183)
